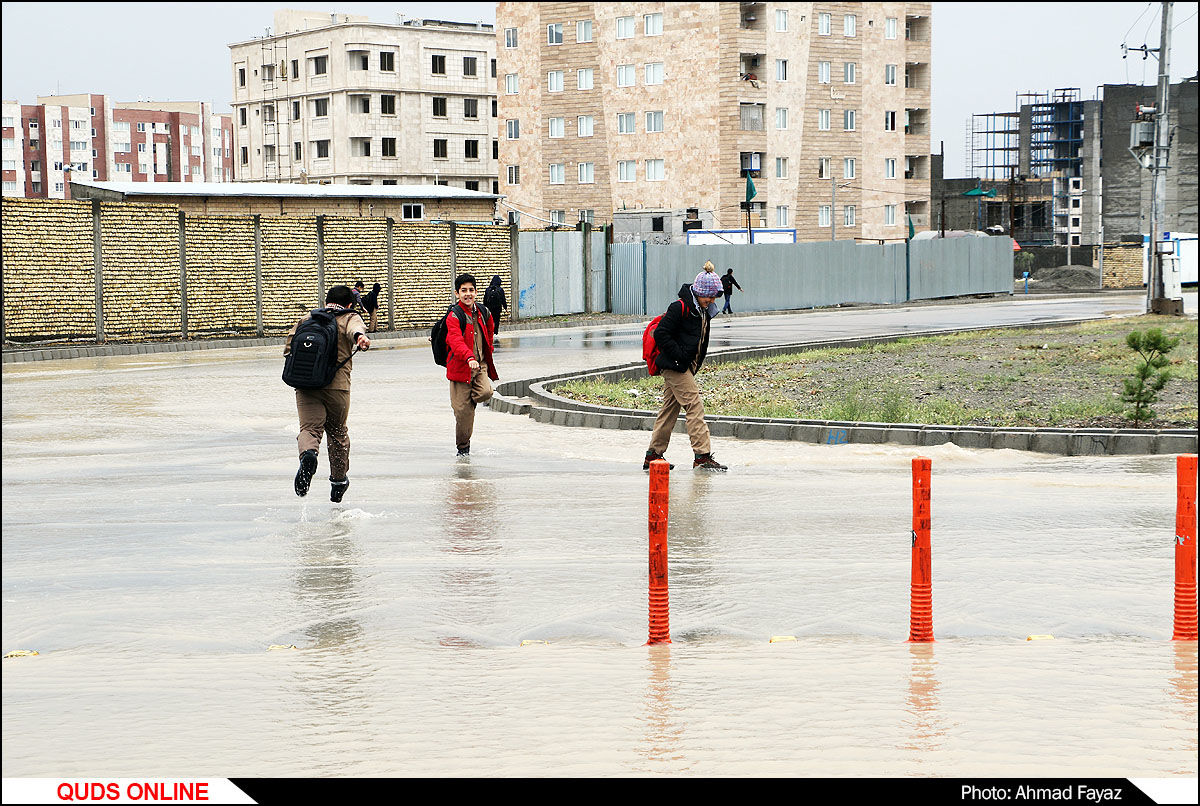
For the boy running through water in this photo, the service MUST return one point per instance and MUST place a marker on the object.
(469, 342)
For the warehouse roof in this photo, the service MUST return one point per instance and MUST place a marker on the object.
(275, 190)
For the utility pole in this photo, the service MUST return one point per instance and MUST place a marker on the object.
(1156, 293)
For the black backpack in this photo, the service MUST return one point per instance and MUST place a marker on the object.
(312, 362)
(437, 334)
(492, 298)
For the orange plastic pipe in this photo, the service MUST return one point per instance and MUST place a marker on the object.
(920, 627)
(660, 626)
(1185, 548)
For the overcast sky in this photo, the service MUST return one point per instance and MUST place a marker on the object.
(984, 54)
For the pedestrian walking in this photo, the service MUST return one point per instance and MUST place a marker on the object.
(495, 301)
(727, 286)
(370, 303)
(469, 350)
(358, 296)
(319, 353)
(682, 342)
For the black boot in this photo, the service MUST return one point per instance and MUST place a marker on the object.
(706, 461)
(651, 456)
(308, 466)
(337, 489)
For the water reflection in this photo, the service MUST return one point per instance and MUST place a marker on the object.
(663, 730)
(922, 703)
(469, 518)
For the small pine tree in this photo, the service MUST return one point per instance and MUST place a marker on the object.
(1149, 377)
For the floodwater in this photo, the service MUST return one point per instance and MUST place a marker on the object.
(153, 550)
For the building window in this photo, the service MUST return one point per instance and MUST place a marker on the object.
(360, 146)
(583, 78)
(751, 117)
(781, 69)
(557, 127)
(295, 110)
(471, 108)
(824, 24)
(823, 168)
(510, 84)
(823, 120)
(554, 34)
(554, 81)
(889, 28)
(387, 104)
(889, 75)
(848, 72)
(412, 212)
(438, 67)
(141, 127)
(360, 61)
(889, 215)
(439, 107)
(513, 129)
(781, 118)
(320, 65)
(440, 149)
(781, 168)
(848, 168)
(584, 125)
(781, 216)
(387, 147)
(558, 217)
(625, 27)
(470, 65)
(654, 122)
(510, 38)
(587, 173)
(495, 108)
(296, 155)
(848, 120)
(889, 169)
(850, 25)
(654, 73)
(322, 148)
(471, 184)
(558, 173)
(626, 170)
(471, 149)
(360, 104)
(241, 76)
(583, 31)
(848, 215)
(514, 174)
(587, 215)
(823, 216)
(822, 72)
(245, 155)
(655, 170)
(653, 24)
(495, 149)
(493, 68)
(889, 121)
(625, 123)
(321, 107)
(781, 20)
(626, 77)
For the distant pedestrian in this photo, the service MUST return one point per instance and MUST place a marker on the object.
(469, 343)
(370, 303)
(323, 411)
(358, 295)
(727, 285)
(682, 341)
(495, 301)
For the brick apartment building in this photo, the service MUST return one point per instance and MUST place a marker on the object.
(89, 136)
(669, 106)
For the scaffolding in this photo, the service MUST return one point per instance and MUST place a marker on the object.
(994, 144)
(1055, 133)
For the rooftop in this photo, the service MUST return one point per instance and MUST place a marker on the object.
(283, 190)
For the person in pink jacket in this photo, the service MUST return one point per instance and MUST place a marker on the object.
(469, 341)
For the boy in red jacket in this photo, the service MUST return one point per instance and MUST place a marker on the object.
(469, 341)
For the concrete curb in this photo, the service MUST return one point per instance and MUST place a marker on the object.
(533, 397)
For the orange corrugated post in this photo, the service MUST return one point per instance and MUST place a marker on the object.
(920, 627)
(660, 626)
(1185, 548)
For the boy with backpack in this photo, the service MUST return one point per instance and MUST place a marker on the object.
(317, 363)
(681, 342)
(467, 334)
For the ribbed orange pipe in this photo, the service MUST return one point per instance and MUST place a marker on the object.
(1185, 548)
(920, 625)
(660, 611)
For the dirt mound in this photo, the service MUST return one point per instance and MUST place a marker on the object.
(1067, 278)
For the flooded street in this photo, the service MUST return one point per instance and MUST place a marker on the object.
(153, 550)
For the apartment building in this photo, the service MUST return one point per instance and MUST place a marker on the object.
(669, 106)
(88, 136)
(336, 98)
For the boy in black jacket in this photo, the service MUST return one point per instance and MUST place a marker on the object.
(682, 341)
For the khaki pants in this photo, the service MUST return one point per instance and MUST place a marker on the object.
(680, 392)
(324, 411)
(464, 397)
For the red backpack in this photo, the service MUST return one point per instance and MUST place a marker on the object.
(649, 348)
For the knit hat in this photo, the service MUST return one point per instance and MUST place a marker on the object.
(707, 284)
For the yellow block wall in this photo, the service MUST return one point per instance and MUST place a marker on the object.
(220, 275)
(421, 263)
(49, 288)
(1122, 266)
(484, 252)
(356, 249)
(139, 246)
(288, 255)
